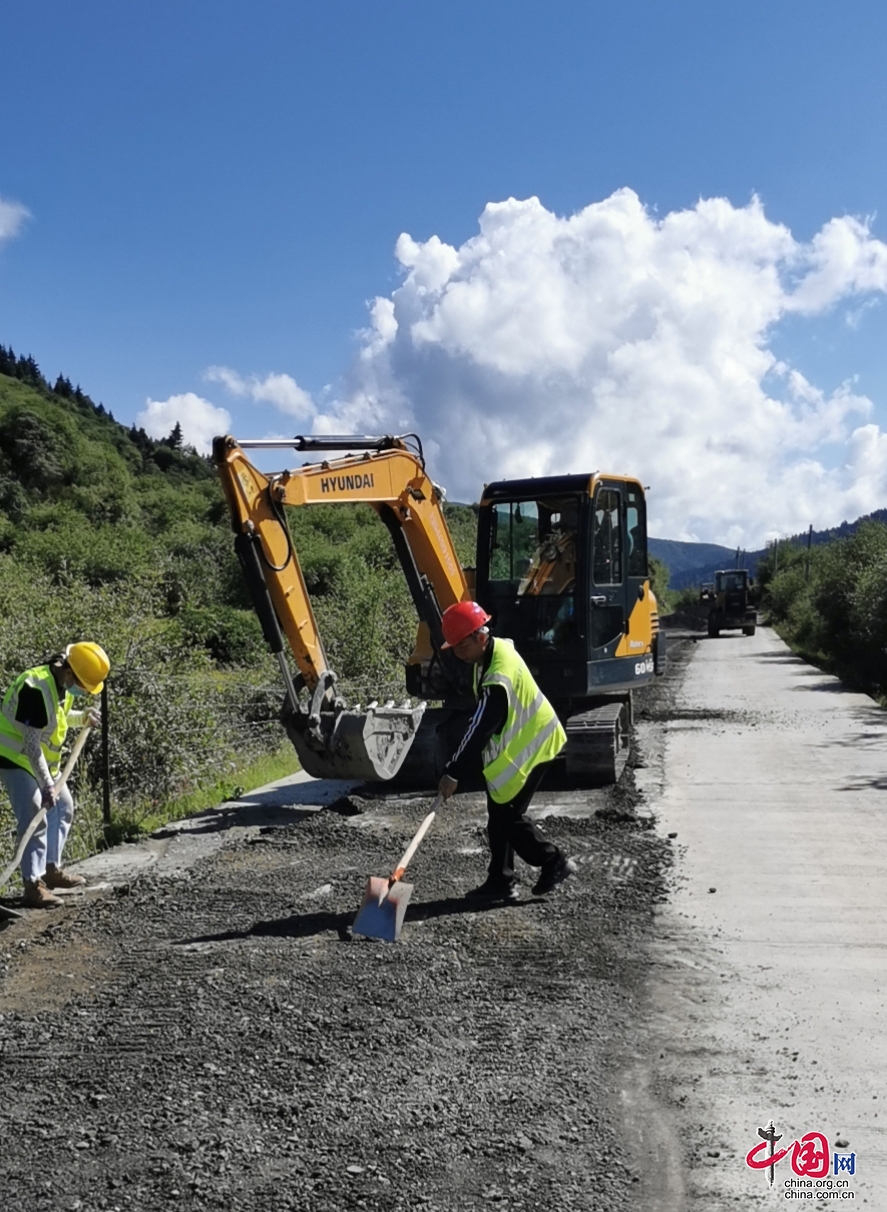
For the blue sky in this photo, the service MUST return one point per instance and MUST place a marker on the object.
(198, 185)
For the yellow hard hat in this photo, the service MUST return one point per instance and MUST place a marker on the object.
(90, 665)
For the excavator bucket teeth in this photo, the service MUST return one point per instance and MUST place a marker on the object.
(369, 744)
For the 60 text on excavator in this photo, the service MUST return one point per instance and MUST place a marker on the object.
(561, 568)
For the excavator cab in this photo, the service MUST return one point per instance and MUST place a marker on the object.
(562, 568)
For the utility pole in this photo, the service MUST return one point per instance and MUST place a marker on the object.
(807, 557)
(106, 770)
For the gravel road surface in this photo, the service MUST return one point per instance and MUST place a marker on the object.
(200, 1030)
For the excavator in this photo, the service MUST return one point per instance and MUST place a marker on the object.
(561, 568)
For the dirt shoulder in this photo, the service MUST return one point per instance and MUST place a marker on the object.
(204, 1031)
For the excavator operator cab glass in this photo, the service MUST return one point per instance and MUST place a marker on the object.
(532, 571)
(562, 568)
(636, 530)
(607, 538)
(533, 549)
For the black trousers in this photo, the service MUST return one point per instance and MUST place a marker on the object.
(511, 833)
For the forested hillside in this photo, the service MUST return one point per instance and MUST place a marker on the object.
(106, 534)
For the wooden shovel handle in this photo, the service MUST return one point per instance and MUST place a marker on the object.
(414, 844)
(75, 754)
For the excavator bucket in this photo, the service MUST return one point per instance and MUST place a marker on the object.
(353, 744)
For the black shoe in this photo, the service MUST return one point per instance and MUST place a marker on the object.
(554, 873)
(495, 890)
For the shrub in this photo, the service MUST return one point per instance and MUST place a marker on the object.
(831, 603)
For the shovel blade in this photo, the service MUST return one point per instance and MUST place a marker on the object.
(382, 918)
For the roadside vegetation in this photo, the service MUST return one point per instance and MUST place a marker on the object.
(830, 604)
(666, 598)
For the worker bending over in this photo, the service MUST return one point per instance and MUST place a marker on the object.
(514, 734)
(35, 716)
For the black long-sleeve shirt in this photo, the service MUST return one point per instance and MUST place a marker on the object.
(489, 717)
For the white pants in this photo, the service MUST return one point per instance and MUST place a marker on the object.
(49, 838)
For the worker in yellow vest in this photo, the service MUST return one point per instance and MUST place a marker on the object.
(514, 734)
(36, 713)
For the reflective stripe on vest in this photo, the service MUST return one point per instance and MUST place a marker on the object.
(532, 733)
(52, 737)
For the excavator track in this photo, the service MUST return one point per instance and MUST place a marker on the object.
(598, 744)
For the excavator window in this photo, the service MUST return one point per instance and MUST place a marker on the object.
(515, 535)
(636, 529)
(533, 568)
(533, 548)
(607, 538)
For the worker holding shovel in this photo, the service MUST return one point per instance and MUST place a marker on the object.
(514, 734)
(35, 716)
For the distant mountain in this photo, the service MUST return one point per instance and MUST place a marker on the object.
(695, 563)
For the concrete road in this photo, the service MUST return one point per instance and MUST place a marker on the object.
(768, 1000)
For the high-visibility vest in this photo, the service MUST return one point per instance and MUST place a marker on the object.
(52, 737)
(532, 733)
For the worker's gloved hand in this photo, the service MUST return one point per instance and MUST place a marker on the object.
(48, 797)
(94, 717)
(447, 787)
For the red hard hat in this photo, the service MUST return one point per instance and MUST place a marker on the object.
(462, 620)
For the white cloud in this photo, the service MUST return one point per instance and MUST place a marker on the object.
(843, 260)
(616, 340)
(200, 420)
(280, 390)
(12, 218)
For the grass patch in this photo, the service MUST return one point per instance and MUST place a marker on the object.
(129, 826)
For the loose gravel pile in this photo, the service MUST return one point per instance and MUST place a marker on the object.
(215, 1038)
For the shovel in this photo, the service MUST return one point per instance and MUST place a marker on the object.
(385, 900)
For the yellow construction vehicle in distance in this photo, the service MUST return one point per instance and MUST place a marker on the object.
(561, 567)
(732, 602)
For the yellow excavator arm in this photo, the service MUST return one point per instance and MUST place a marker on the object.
(388, 476)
